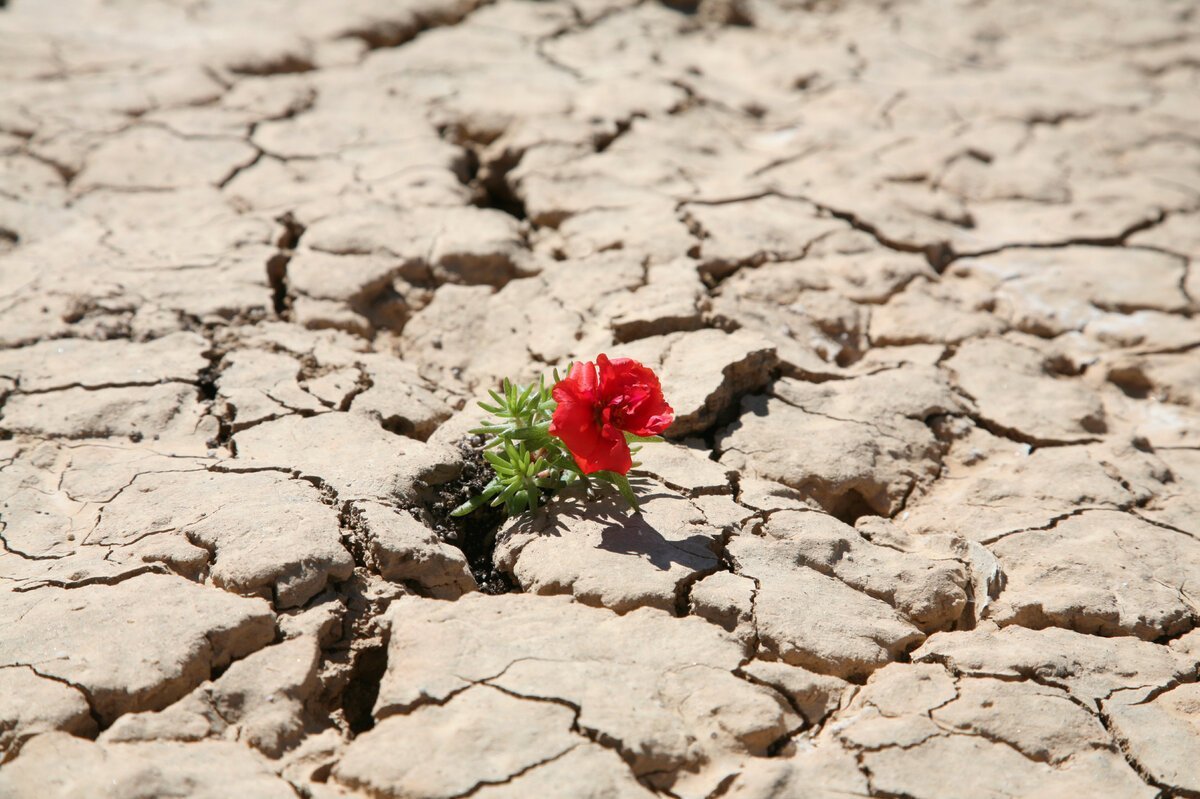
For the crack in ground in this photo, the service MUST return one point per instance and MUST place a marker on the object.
(1051, 524)
(1122, 746)
(107, 579)
(286, 243)
(84, 692)
(519, 773)
(9, 549)
(1119, 240)
(101, 386)
(1163, 525)
(388, 33)
(597, 737)
(1011, 433)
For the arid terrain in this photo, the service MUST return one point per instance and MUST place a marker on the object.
(921, 282)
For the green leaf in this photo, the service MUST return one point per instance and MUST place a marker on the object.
(531, 431)
(474, 503)
(526, 394)
(630, 438)
(489, 408)
(536, 436)
(488, 430)
(623, 487)
(498, 463)
(469, 506)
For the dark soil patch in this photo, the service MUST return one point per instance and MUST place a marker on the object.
(475, 533)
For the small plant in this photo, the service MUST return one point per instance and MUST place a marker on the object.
(581, 428)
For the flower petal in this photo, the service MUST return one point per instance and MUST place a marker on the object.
(579, 385)
(633, 392)
(595, 445)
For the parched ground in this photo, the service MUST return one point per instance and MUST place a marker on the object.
(921, 282)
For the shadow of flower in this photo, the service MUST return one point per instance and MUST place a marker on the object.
(621, 530)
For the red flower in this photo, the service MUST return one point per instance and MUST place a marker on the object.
(593, 414)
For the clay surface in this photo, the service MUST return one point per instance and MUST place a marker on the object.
(920, 279)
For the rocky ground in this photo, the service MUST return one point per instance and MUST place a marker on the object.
(921, 282)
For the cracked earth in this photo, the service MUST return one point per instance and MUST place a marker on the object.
(921, 282)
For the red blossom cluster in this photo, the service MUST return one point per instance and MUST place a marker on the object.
(598, 403)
